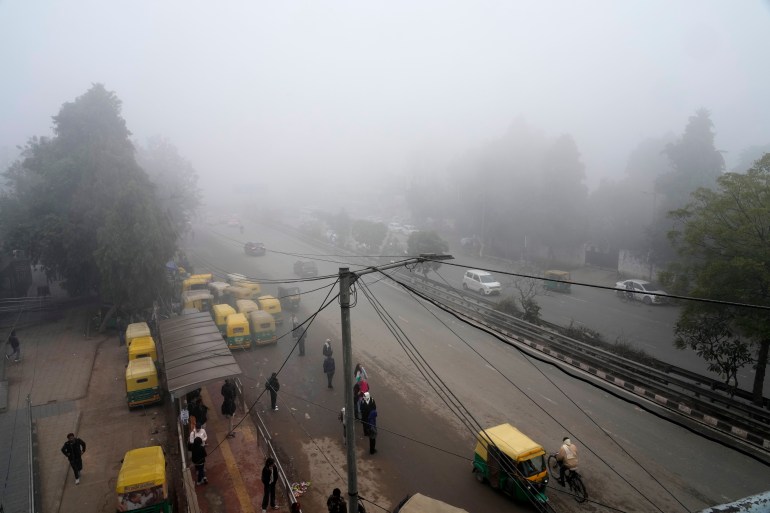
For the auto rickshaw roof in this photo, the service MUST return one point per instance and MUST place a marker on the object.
(511, 441)
(419, 503)
(203, 276)
(223, 309)
(268, 299)
(196, 295)
(194, 353)
(141, 343)
(237, 318)
(261, 316)
(246, 305)
(219, 286)
(137, 329)
(140, 367)
(563, 274)
(142, 468)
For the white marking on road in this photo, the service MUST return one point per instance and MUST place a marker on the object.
(547, 399)
(403, 319)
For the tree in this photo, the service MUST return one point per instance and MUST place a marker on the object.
(176, 182)
(423, 242)
(83, 209)
(369, 234)
(722, 238)
(710, 334)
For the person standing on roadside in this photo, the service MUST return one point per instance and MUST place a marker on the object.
(372, 421)
(229, 393)
(327, 350)
(121, 326)
(73, 449)
(301, 342)
(335, 503)
(329, 369)
(199, 460)
(360, 373)
(13, 341)
(269, 479)
(367, 405)
(273, 386)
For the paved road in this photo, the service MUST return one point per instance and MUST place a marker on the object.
(424, 447)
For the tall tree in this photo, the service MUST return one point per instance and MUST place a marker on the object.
(175, 180)
(83, 208)
(369, 234)
(723, 237)
(423, 242)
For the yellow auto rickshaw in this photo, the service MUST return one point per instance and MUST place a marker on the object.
(218, 290)
(509, 460)
(239, 280)
(142, 484)
(136, 330)
(272, 306)
(142, 386)
(219, 313)
(246, 306)
(200, 300)
(557, 281)
(142, 347)
(262, 328)
(234, 293)
(197, 282)
(238, 334)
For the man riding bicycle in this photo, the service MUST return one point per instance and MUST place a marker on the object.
(567, 458)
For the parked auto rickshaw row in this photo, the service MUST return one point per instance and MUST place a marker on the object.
(142, 384)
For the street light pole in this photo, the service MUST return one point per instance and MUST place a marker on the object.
(347, 279)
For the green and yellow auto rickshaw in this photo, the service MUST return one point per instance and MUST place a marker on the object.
(220, 313)
(142, 485)
(239, 280)
(262, 328)
(557, 281)
(218, 289)
(141, 347)
(200, 300)
(136, 330)
(512, 462)
(234, 293)
(238, 334)
(246, 306)
(142, 386)
(272, 306)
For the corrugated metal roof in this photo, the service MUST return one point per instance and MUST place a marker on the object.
(194, 353)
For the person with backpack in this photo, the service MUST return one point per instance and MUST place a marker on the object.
(335, 503)
(273, 386)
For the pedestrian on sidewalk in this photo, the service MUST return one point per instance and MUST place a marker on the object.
(273, 386)
(367, 405)
(199, 411)
(229, 392)
(198, 432)
(73, 449)
(199, 460)
(372, 421)
(335, 503)
(360, 373)
(269, 479)
(329, 369)
(341, 418)
(327, 350)
(13, 341)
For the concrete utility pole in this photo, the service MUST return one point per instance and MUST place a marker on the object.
(347, 279)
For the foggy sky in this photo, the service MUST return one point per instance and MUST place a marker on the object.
(314, 92)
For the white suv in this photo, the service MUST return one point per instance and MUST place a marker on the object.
(481, 282)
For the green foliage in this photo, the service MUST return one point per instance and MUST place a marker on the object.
(83, 209)
(422, 242)
(722, 237)
(710, 334)
(369, 234)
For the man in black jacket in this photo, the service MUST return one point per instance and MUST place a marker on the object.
(273, 386)
(73, 449)
(269, 480)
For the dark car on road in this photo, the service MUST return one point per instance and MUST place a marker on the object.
(254, 248)
(305, 268)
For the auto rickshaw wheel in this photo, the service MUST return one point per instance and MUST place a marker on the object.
(479, 475)
(646, 300)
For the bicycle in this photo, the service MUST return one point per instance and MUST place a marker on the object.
(571, 478)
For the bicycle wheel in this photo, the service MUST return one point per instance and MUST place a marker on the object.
(553, 465)
(578, 488)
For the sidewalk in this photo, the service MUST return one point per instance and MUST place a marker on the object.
(77, 384)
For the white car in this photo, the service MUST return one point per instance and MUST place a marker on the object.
(641, 290)
(481, 282)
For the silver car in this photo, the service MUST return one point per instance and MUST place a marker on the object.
(641, 290)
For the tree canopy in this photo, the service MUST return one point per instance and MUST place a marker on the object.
(83, 208)
(369, 234)
(423, 242)
(722, 237)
